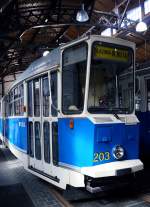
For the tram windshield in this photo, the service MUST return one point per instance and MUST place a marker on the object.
(111, 83)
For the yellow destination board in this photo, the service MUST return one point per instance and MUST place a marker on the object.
(111, 53)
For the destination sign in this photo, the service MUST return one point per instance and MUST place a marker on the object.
(110, 53)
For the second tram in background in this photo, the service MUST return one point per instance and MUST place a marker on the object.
(70, 116)
(142, 106)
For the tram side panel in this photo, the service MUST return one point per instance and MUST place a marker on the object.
(16, 135)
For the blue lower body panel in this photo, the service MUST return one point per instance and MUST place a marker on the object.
(89, 144)
(76, 145)
(16, 132)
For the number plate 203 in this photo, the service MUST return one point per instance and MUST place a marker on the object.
(101, 156)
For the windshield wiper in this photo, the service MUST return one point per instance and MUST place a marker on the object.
(116, 116)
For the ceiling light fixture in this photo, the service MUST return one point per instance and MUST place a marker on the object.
(45, 53)
(82, 15)
(141, 26)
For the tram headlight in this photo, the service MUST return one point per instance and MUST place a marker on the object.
(118, 152)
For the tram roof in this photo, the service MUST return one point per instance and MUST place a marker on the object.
(40, 65)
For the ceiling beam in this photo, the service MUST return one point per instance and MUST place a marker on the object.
(123, 15)
(5, 5)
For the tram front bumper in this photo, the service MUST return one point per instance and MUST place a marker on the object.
(113, 169)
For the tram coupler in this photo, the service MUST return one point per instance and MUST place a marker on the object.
(93, 189)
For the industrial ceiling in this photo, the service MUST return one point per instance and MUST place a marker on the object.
(29, 27)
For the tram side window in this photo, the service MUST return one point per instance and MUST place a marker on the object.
(73, 78)
(37, 98)
(137, 95)
(19, 100)
(21, 96)
(16, 107)
(6, 106)
(16, 101)
(16, 93)
(45, 96)
(1, 112)
(54, 93)
(30, 141)
(0, 109)
(46, 130)
(11, 99)
(55, 142)
(37, 140)
(30, 101)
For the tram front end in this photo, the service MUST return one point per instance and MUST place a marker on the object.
(98, 130)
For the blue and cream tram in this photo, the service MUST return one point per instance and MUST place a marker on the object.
(70, 116)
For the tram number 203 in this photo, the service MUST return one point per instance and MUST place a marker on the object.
(101, 156)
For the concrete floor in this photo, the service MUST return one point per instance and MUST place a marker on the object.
(13, 175)
(20, 188)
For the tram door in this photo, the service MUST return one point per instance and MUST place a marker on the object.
(34, 124)
(46, 124)
(42, 127)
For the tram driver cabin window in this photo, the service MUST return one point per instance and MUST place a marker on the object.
(73, 78)
(111, 84)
